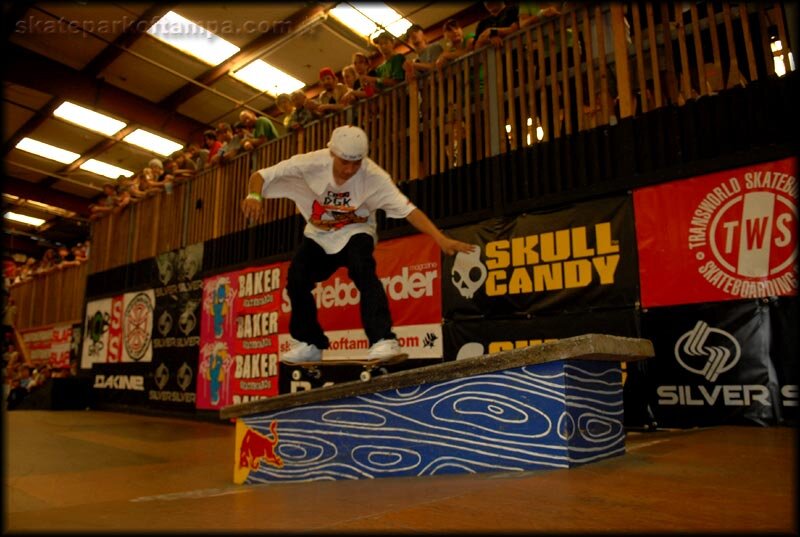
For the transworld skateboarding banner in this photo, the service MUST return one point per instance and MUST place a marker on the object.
(713, 366)
(574, 259)
(728, 235)
(240, 323)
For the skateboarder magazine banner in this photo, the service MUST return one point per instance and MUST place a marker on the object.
(729, 235)
(572, 259)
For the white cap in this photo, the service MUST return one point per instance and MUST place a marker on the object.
(349, 143)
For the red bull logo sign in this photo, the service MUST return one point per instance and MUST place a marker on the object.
(254, 449)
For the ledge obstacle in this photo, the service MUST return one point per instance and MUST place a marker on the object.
(554, 405)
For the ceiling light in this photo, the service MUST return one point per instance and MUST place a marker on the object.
(192, 39)
(47, 151)
(30, 220)
(265, 77)
(88, 119)
(368, 20)
(104, 169)
(152, 142)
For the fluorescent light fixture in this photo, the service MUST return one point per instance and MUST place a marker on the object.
(30, 220)
(265, 77)
(152, 142)
(192, 39)
(369, 20)
(47, 151)
(88, 119)
(104, 169)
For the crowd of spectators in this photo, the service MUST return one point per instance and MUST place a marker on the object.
(359, 81)
(53, 259)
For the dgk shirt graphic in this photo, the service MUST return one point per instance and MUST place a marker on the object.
(724, 236)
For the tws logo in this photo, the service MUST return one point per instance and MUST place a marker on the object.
(707, 351)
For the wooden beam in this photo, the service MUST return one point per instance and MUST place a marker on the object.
(32, 70)
(35, 192)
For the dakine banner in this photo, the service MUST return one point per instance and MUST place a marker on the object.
(712, 365)
(122, 384)
(729, 235)
(468, 338)
(573, 259)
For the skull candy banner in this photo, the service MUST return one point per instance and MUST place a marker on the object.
(574, 259)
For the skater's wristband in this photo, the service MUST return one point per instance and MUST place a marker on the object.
(254, 196)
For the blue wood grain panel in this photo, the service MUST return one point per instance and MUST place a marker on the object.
(551, 415)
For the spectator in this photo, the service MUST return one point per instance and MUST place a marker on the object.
(330, 100)
(210, 145)
(9, 271)
(532, 12)
(25, 377)
(286, 106)
(263, 130)
(390, 72)
(349, 76)
(124, 198)
(141, 187)
(105, 205)
(66, 258)
(301, 115)
(426, 54)
(16, 394)
(27, 270)
(9, 315)
(502, 21)
(80, 252)
(47, 262)
(456, 43)
(195, 159)
(224, 135)
(181, 168)
(364, 87)
(40, 377)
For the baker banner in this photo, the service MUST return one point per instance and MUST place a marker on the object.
(573, 259)
(468, 338)
(729, 235)
(713, 365)
(49, 345)
(238, 359)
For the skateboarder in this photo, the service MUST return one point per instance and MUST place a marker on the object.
(338, 190)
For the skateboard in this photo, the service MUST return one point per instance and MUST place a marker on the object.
(313, 369)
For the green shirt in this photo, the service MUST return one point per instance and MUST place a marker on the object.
(264, 127)
(392, 68)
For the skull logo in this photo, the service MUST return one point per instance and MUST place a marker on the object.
(468, 272)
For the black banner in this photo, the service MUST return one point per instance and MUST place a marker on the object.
(712, 365)
(467, 338)
(574, 259)
(784, 351)
(176, 316)
(173, 382)
(120, 383)
(181, 265)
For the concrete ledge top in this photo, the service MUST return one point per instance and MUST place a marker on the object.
(584, 347)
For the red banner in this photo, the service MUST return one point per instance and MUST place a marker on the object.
(49, 345)
(728, 235)
(410, 270)
(239, 329)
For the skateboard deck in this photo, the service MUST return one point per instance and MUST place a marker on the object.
(368, 364)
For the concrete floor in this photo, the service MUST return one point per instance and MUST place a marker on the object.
(84, 471)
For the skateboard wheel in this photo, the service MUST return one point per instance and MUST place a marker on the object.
(365, 376)
(383, 371)
(315, 374)
(296, 375)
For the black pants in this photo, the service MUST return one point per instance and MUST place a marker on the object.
(311, 265)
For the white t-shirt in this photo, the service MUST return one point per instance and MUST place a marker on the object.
(307, 180)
